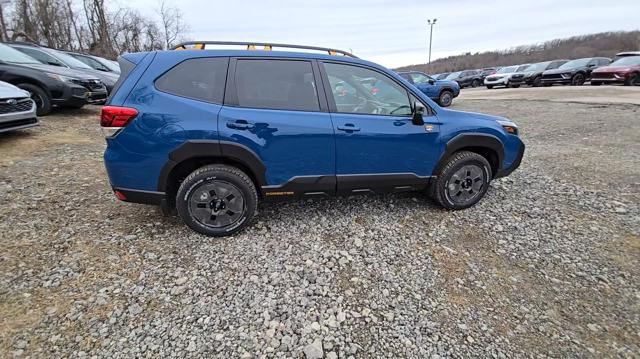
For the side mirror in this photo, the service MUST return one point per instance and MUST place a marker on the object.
(431, 82)
(418, 112)
(53, 63)
(591, 65)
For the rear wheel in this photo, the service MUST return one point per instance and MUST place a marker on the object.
(446, 98)
(577, 80)
(217, 200)
(515, 86)
(596, 83)
(39, 96)
(546, 85)
(463, 181)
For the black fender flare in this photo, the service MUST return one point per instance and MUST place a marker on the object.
(472, 139)
(232, 151)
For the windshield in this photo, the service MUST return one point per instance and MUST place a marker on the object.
(627, 61)
(522, 68)
(113, 66)
(453, 75)
(575, 63)
(540, 66)
(507, 70)
(70, 60)
(14, 56)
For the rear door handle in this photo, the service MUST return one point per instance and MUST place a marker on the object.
(240, 125)
(349, 127)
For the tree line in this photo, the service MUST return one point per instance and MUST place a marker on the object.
(602, 44)
(90, 26)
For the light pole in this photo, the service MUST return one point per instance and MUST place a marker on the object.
(431, 23)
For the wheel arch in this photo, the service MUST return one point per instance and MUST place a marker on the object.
(194, 154)
(486, 145)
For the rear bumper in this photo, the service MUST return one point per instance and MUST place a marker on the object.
(503, 172)
(138, 196)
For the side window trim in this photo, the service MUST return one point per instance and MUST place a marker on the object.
(231, 89)
(332, 104)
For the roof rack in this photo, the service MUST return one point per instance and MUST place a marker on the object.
(200, 45)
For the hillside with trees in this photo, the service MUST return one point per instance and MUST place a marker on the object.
(602, 44)
(90, 25)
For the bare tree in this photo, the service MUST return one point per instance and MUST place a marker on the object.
(171, 22)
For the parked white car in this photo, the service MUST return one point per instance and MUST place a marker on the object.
(508, 76)
(17, 109)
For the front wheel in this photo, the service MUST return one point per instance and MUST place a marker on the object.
(537, 81)
(632, 80)
(577, 80)
(40, 97)
(446, 98)
(489, 87)
(462, 181)
(475, 83)
(217, 200)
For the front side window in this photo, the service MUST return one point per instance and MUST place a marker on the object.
(421, 78)
(363, 91)
(199, 79)
(41, 56)
(276, 84)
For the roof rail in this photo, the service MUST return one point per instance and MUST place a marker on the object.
(200, 45)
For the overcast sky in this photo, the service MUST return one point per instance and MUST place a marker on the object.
(395, 33)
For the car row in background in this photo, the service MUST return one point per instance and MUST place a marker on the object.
(54, 78)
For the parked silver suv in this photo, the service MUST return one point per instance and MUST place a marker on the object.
(17, 109)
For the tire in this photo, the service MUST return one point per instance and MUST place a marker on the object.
(577, 79)
(475, 83)
(537, 81)
(446, 98)
(489, 87)
(596, 83)
(515, 86)
(634, 79)
(473, 173)
(546, 85)
(200, 208)
(39, 96)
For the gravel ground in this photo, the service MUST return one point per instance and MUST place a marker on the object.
(545, 265)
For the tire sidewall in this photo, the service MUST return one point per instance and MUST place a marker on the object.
(574, 80)
(446, 178)
(208, 175)
(443, 94)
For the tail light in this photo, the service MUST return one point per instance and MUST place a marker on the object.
(114, 118)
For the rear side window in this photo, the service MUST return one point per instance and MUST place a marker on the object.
(276, 84)
(199, 79)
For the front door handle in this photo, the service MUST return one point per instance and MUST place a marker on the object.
(240, 125)
(349, 127)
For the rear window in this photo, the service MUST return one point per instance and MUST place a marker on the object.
(276, 84)
(199, 79)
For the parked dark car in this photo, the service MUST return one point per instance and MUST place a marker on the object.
(487, 72)
(533, 73)
(97, 62)
(574, 72)
(59, 58)
(441, 76)
(625, 70)
(466, 78)
(49, 86)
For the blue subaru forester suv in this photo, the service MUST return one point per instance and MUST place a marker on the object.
(208, 133)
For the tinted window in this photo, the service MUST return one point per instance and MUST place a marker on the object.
(359, 90)
(604, 62)
(276, 84)
(41, 56)
(199, 79)
(420, 78)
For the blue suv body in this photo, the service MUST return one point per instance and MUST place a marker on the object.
(208, 133)
(441, 91)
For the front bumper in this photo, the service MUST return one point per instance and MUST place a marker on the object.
(503, 172)
(19, 120)
(556, 80)
(77, 95)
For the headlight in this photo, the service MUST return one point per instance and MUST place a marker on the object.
(509, 126)
(566, 75)
(61, 77)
